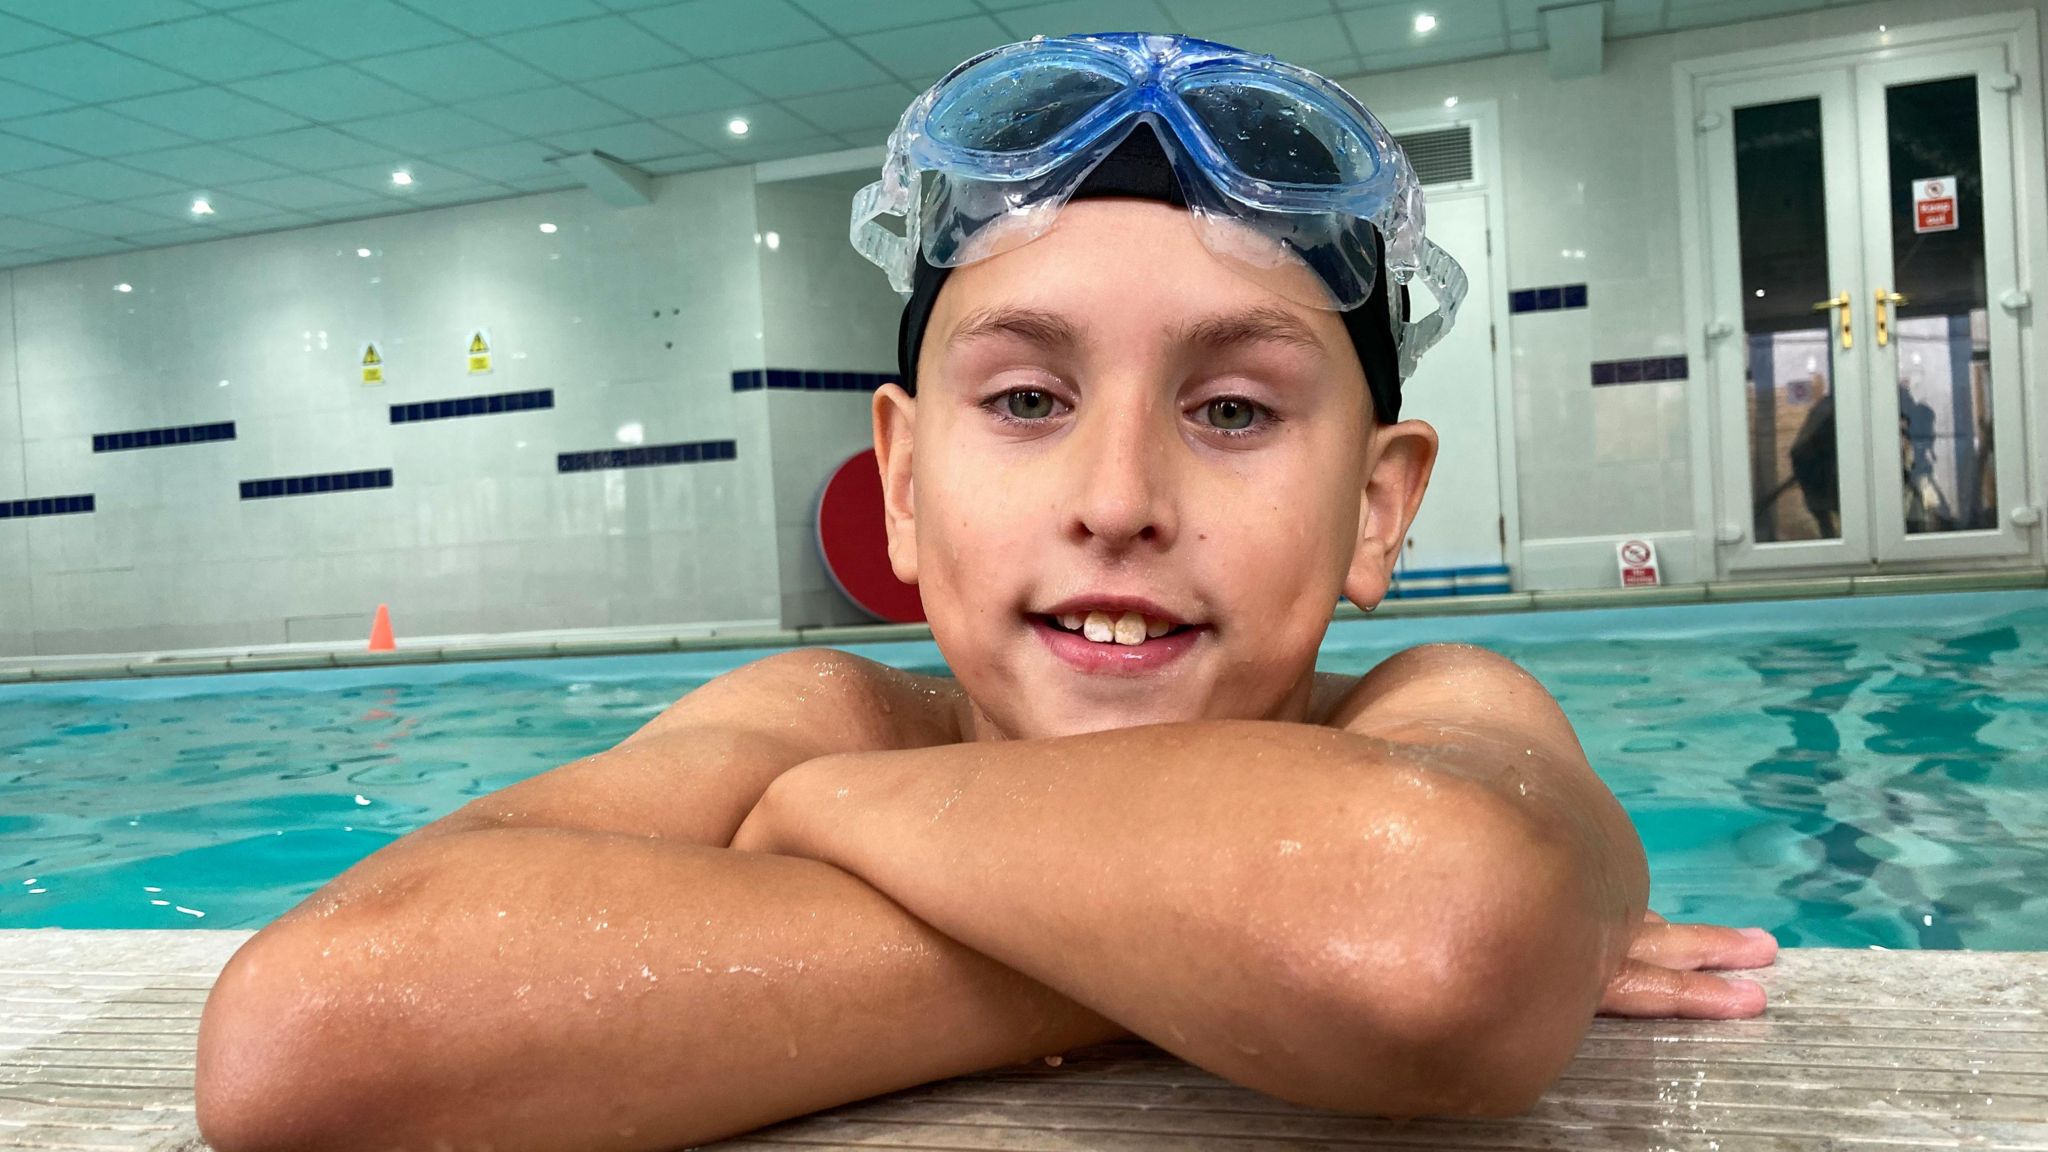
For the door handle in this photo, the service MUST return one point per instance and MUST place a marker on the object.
(1841, 302)
(1885, 297)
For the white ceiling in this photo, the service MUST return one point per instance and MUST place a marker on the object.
(115, 114)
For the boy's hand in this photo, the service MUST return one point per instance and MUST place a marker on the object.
(1661, 976)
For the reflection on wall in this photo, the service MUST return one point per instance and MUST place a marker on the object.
(1792, 437)
(1945, 426)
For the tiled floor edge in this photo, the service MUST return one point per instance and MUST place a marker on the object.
(130, 665)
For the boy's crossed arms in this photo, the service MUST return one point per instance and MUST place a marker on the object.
(1338, 914)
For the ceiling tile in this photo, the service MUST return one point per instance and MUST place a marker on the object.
(17, 154)
(428, 132)
(707, 28)
(490, 17)
(208, 114)
(213, 48)
(1444, 53)
(1204, 18)
(349, 31)
(313, 149)
(672, 91)
(872, 111)
(336, 92)
(87, 73)
(559, 181)
(19, 35)
(32, 234)
(94, 132)
(203, 164)
(20, 100)
(270, 222)
(633, 143)
(104, 219)
(545, 112)
(100, 180)
(1634, 17)
(301, 193)
(853, 17)
(756, 151)
(183, 234)
(90, 246)
(99, 16)
(427, 178)
(518, 160)
(1385, 31)
(18, 199)
(922, 55)
(694, 162)
(451, 72)
(802, 70)
(1296, 41)
(177, 207)
(765, 122)
(590, 48)
(1067, 17)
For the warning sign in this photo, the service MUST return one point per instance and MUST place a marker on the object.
(373, 365)
(1934, 205)
(1638, 563)
(479, 352)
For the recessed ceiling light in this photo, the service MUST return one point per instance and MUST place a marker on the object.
(1425, 23)
(124, 287)
(737, 126)
(632, 433)
(363, 252)
(201, 208)
(1881, 28)
(774, 239)
(1450, 101)
(548, 228)
(402, 178)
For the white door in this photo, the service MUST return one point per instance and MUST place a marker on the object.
(1863, 340)
(1458, 532)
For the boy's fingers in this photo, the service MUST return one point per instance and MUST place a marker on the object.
(1646, 990)
(1691, 946)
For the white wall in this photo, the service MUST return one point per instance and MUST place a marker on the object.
(1591, 165)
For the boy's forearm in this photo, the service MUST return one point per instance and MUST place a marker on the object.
(546, 989)
(1312, 913)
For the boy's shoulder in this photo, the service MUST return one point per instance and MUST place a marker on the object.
(1432, 692)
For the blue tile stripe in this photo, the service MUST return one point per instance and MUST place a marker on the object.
(1474, 580)
(473, 406)
(45, 506)
(808, 380)
(647, 456)
(161, 437)
(1547, 299)
(1635, 371)
(316, 484)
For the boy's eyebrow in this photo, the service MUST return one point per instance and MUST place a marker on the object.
(1265, 323)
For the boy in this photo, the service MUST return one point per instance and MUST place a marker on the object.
(1133, 461)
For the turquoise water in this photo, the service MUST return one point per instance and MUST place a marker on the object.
(1866, 771)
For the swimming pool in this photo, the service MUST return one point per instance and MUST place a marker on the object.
(1863, 771)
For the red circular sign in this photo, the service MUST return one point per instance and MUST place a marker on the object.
(854, 541)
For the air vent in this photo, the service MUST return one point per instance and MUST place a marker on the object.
(1440, 157)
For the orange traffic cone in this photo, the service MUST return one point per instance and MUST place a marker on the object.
(380, 630)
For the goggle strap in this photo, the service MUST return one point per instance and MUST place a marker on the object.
(889, 251)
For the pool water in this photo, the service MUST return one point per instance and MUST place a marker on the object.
(1848, 773)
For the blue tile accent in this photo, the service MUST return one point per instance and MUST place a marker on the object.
(647, 456)
(473, 406)
(159, 437)
(1549, 299)
(45, 506)
(1636, 371)
(315, 484)
(1474, 580)
(806, 380)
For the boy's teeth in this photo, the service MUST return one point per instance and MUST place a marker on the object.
(1156, 627)
(1099, 627)
(1071, 621)
(1130, 628)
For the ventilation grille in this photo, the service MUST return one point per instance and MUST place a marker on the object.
(1440, 157)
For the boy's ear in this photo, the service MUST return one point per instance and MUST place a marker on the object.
(1397, 471)
(895, 414)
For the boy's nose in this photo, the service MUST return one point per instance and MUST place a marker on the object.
(1122, 482)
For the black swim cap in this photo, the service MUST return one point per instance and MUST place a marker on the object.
(1139, 167)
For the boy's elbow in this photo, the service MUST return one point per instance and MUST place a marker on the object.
(1500, 981)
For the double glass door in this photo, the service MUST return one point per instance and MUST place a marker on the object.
(1863, 334)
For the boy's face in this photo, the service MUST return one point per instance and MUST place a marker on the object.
(1109, 413)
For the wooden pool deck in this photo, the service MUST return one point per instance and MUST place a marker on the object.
(1879, 1050)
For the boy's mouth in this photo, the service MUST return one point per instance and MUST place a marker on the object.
(1126, 628)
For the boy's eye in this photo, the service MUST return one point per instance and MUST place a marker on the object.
(1029, 404)
(1229, 413)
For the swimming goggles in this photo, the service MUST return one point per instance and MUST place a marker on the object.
(1278, 166)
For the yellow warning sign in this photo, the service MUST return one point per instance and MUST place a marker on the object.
(479, 352)
(373, 365)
